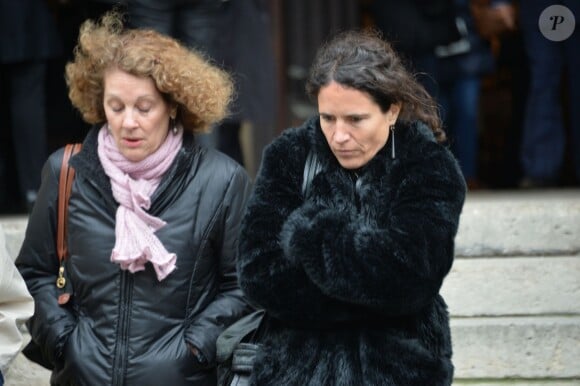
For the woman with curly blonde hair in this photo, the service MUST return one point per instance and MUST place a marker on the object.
(153, 218)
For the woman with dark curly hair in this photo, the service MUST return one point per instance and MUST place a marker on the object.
(349, 268)
(153, 219)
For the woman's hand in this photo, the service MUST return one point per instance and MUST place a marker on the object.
(197, 354)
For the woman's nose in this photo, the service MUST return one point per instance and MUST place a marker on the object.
(128, 120)
(341, 133)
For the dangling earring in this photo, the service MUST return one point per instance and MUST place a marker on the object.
(392, 129)
(172, 122)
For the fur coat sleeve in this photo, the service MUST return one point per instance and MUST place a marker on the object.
(378, 242)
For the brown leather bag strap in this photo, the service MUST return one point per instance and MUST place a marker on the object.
(67, 174)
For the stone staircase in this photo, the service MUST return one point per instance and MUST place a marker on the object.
(513, 292)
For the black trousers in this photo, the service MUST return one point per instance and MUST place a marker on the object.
(24, 88)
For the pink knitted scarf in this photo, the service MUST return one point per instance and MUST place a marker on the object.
(132, 184)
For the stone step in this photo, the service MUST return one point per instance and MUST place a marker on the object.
(538, 285)
(517, 382)
(517, 347)
(520, 223)
(535, 350)
(22, 372)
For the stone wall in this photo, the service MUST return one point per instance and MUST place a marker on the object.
(513, 292)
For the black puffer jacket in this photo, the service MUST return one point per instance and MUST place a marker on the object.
(350, 275)
(121, 328)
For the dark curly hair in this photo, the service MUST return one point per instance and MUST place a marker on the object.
(366, 62)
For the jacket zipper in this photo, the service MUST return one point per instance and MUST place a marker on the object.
(122, 340)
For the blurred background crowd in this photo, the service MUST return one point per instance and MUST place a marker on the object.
(509, 104)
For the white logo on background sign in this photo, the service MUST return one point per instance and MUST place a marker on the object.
(557, 23)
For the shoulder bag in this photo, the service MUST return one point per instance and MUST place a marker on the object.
(32, 351)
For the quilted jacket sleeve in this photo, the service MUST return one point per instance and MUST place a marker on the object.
(229, 303)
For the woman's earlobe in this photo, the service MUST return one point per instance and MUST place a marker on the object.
(398, 106)
(395, 110)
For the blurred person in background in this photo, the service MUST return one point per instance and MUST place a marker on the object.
(545, 135)
(459, 69)
(449, 55)
(433, 24)
(28, 40)
(236, 35)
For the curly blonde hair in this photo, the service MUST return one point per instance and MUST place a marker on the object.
(200, 90)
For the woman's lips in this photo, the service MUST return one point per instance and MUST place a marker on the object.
(132, 142)
(345, 153)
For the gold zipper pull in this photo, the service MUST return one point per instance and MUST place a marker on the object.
(60, 281)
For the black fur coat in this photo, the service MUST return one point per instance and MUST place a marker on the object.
(350, 275)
